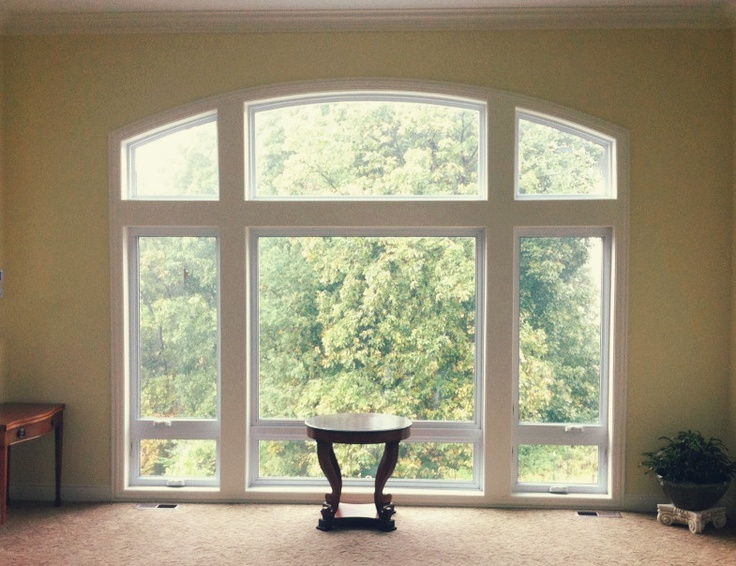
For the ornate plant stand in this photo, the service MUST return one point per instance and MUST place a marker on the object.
(667, 514)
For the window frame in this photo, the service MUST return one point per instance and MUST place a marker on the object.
(253, 107)
(467, 432)
(575, 129)
(155, 134)
(180, 428)
(568, 434)
(499, 214)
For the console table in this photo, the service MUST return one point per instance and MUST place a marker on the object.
(357, 428)
(20, 422)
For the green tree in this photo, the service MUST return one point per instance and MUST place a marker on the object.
(178, 327)
(177, 348)
(374, 325)
(367, 149)
(555, 161)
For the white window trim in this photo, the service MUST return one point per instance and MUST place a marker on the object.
(568, 433)
(576, 129)
(470, 432)
(499, 215)
(163, 429)
(252, 108)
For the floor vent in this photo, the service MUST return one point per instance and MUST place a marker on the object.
(157, 506)
(609, 514)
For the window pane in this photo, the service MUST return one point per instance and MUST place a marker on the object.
(178, 343)
(180, 163)
(417, 460)
(367, 324)
(558, 464)
(435, 461)
(557, 160)
(364, 148)
(178, 458)
(560, 329)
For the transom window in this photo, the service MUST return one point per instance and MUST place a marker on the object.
(369, 247)
(371, 145)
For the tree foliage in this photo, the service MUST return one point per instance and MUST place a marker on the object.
(178, 327)
(555, 161)
(559, 331)
(367, 149)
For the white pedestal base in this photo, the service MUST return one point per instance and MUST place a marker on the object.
(667, 514)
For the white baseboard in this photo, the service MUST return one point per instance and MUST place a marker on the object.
(72, 493)
(648, 504)
(103, 493)
(642, 503)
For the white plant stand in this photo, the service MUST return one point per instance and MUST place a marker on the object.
(668, 514)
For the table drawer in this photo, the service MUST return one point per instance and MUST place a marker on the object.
(30, 431)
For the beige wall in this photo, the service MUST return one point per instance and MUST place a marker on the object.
(3, 325)
(671, 89)
(732, 405)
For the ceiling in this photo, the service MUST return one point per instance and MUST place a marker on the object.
(109, 16)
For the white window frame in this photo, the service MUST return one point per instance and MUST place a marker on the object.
(575, 129)
(466, 432)
(252, 108)
(577, 434)
(499, 215)
(145, 428)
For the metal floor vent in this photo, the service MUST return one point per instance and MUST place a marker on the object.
(157, 506)
(609, 514)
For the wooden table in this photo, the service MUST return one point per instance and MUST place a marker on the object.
(20, 422)
(357, 428)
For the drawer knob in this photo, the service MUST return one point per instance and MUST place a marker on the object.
(21, 433)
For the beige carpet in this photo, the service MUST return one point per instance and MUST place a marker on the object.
(224, 534)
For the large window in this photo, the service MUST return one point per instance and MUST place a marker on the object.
(368, 323)
(449, 254)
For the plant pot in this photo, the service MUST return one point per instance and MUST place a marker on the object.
(693, 496)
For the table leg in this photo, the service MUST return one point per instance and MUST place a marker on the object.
(58, 437)
(384, 506)
(3, 483)
(331, 469)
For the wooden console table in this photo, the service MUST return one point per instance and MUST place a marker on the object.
(357, 428)
(20, 422)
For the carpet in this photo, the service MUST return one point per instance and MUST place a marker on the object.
(256, 534)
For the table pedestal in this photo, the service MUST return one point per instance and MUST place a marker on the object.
(668, 514)
(357, 428)
(377, 514)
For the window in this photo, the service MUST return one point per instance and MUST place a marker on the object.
(368, 323)
(174, 378)
(556, 159)
(374, 146)
(178, 162)
(562, 371)
(451, 254)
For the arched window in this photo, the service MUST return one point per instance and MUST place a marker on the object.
(378, 247)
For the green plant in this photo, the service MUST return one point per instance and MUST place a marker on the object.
(690, 457)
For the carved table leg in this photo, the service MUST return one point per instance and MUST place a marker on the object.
(331, 469)
(384, 506)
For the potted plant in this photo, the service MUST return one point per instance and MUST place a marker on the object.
(694, 472)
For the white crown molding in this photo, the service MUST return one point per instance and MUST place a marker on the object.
(611, 17)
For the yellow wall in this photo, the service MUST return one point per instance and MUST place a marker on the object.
(671, 89)
(732, 405)
(2, 223)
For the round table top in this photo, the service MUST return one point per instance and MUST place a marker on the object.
(358, 428)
